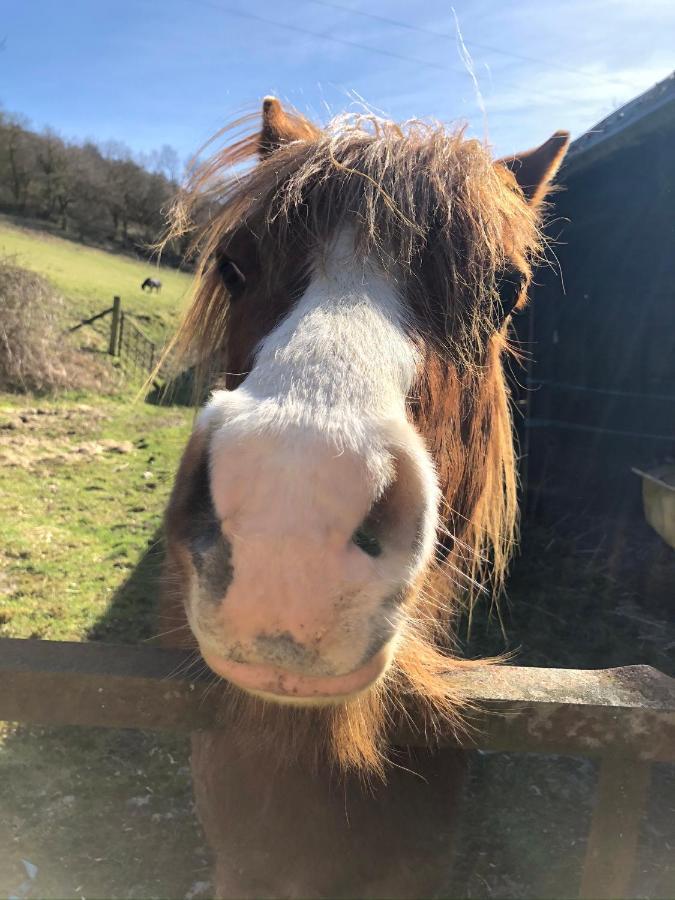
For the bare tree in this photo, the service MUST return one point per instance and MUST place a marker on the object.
(52, 165)
(19, 157)
(98, 193)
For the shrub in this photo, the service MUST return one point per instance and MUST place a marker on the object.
(33, 353)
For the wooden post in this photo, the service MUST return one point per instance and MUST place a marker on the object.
(615, 829)
(120, 333)
(114, 327)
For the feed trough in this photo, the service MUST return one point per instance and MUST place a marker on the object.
(658, 498)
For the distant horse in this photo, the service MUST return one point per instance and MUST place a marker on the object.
(152, 284)
(350, 486)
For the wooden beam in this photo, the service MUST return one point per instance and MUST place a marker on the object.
(115, 327)
(91, 319)
(612, 843)
(624, 715)
(629, 711)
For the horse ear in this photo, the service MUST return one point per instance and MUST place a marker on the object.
(280, 127)
(535, 169)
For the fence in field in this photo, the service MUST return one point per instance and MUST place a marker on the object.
(135, 350)
(625, 717)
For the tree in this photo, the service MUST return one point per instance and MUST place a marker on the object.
(88, 210)
(100, 193)
(52, 165)
(19, 158)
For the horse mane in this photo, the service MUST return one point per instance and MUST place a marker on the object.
(432, 208)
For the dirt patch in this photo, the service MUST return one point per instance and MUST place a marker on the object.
(29, 452)
(36, 417)
(97, 813)
(38, 435)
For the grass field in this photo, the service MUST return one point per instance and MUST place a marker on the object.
(89, 278)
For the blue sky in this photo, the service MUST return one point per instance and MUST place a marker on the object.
(152, 72)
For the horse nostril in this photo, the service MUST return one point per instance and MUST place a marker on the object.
(379, 522)
(365, 540)
(396, 521)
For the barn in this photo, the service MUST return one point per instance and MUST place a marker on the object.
(599, 394)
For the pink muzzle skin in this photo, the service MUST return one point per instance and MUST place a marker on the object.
(280, 686)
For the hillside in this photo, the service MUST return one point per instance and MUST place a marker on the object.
(101, 195)
(89, 278)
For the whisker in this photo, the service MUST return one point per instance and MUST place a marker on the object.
(214, 681)
(162, 634)
(185, 666)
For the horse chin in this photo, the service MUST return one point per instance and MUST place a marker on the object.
(275, 685)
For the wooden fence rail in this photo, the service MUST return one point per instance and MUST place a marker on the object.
(127, 341)
(624, 716)
(91, 319)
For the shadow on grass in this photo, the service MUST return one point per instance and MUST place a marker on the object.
(132, 614)
(177, 391)
(586, 592)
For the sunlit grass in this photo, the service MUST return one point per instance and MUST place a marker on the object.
(83, 485)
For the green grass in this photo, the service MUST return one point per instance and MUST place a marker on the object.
(89, 279)
(84, 485)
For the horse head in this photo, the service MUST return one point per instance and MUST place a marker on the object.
(352, 479)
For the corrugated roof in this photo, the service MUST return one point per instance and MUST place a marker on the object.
(636, 117)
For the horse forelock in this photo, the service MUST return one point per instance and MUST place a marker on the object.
(442, 220)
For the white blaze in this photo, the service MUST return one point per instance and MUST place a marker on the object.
(305, 446)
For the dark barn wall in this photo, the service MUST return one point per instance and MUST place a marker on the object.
(603, 336)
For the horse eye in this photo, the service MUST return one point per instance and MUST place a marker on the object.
(510, 283)
(232, 276)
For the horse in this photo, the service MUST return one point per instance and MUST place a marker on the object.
(152, 284)
(349, 484)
